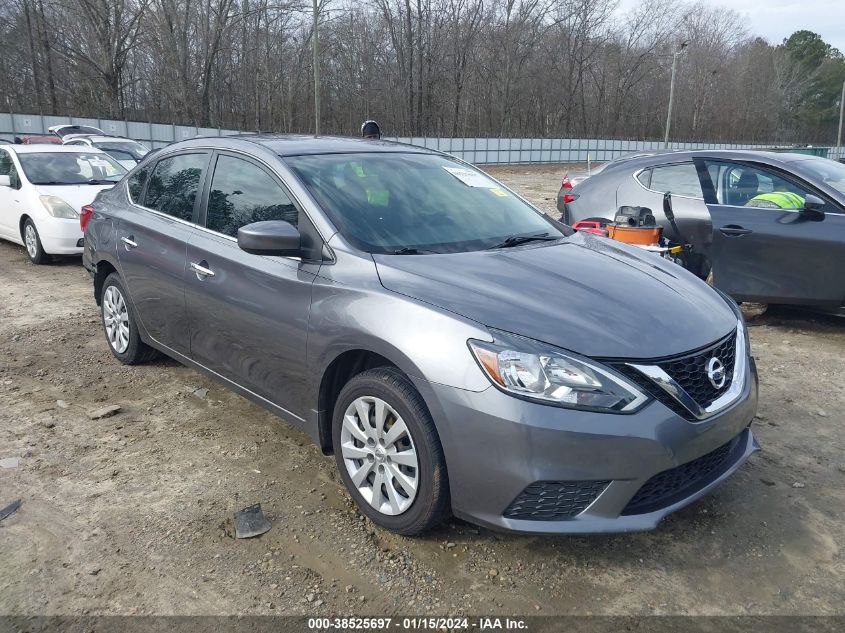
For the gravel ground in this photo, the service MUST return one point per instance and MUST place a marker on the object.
(130, 513)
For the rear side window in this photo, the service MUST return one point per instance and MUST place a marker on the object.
(136, 183)
(680, 180)
(173, 185)
(242, 193)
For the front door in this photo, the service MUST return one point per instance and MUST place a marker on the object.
(249, 313)
(152, 243)
(764, 247)
(10, 199)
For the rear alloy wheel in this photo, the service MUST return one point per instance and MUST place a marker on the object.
(388, 452)
(32, 242)
(119, 325)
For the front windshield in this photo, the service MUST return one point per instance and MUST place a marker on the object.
(827, 171)
(385, 202)
(70, 168)
(123, 150)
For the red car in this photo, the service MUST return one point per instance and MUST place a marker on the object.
(38, 139)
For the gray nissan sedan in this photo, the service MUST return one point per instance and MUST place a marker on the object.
(457, 350)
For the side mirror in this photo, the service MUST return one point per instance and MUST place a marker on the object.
(813, 207)
(271, 237)
(5, 181)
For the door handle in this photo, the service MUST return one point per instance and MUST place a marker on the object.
(130, 243)
(201, 271)
(732, 230)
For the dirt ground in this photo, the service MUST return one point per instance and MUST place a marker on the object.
(129, 514)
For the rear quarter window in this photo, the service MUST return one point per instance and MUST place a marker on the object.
(136, 182)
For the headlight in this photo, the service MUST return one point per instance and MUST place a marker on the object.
(532, 370)
(58, 208)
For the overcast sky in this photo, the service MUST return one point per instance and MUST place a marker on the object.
(777, 19)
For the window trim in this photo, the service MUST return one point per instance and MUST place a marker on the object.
(661, 193)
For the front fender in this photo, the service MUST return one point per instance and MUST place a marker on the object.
(421, 340)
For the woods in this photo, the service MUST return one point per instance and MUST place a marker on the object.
(421, 67)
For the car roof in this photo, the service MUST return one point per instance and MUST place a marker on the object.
(300, 144)
(50, 148)
(676, 156)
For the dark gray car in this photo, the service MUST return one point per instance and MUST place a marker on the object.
(456, 349)
(771, 226)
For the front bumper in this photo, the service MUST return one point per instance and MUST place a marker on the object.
(497, 445)
(61, 237)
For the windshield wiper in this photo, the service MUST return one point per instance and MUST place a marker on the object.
(56, 182)
(516, 240)
(410, 250)
(101, 181)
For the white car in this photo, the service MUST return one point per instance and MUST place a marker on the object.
(42, 191)
(124, 150)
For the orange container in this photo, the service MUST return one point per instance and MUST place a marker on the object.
(635, 234)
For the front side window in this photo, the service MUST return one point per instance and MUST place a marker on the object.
(741, 185)
(389, 202)
(242, 193)
(71, 168)
(680, 180)
(174, 184)
(7, 168)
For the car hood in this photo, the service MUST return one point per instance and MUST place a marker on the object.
(586, 294)
(76, 196)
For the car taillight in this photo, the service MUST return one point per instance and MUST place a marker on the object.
(566, 183)
(569, 197)
(84, 215)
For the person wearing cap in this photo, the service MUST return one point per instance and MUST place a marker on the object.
(370, 130)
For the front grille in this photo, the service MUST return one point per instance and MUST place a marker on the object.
(554, 500)
(677, 483)
(690, 372)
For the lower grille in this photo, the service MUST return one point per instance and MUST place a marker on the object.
(675, 484)
(554, 500)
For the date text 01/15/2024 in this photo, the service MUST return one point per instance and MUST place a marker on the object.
(415, 623)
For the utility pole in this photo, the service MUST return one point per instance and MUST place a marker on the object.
(672, 92)
(315, 42)
(841, 116)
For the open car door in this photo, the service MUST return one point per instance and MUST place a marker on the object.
(771, 243)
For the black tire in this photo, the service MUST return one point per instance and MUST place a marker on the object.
(136, 351)
(39, 256)
(432, 504)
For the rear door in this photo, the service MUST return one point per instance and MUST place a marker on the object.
(152, 243)
(249, 313)
(764, 248)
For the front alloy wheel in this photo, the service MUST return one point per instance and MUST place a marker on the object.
(32, 242)
(388, 452)
(379, 455)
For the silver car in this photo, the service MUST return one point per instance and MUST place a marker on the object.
(457, 350)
